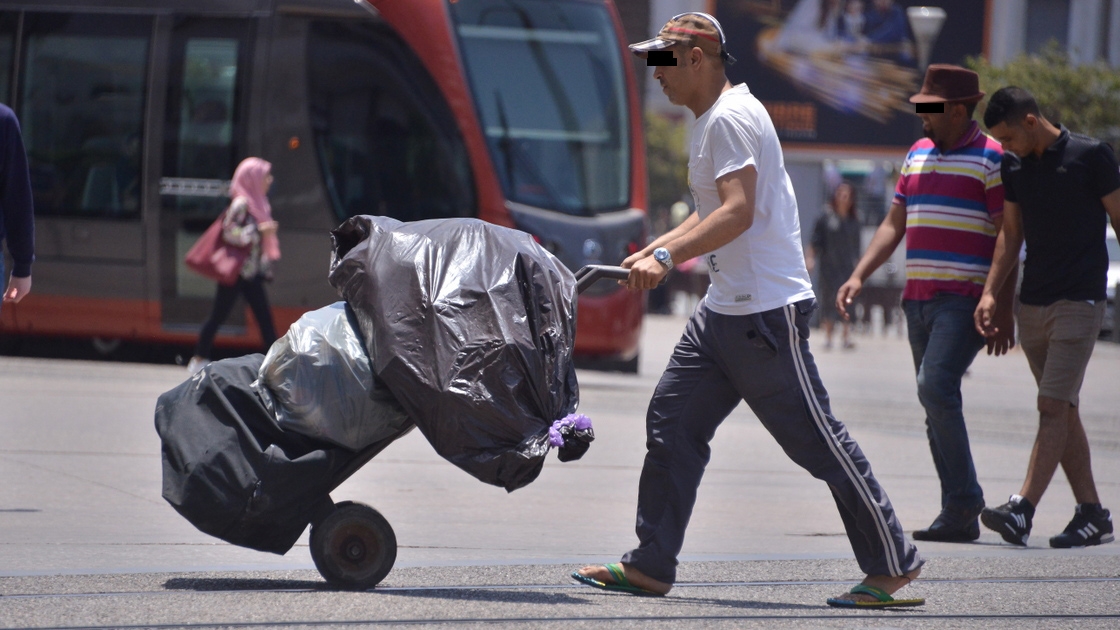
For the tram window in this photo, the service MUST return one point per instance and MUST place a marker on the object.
(207, 108)
(82, 111)
(548, 83)
(387, 142)
(205, 104)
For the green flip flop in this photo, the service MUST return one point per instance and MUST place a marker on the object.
(620, 584)
(883, 599)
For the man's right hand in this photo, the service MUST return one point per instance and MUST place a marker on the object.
(629, 264)
(645, 274)
(985, 316)
(848, 292)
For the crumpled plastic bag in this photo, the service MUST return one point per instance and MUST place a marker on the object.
(229, 468)
(471, 326)
(316, 380)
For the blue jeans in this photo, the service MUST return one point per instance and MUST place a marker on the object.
(944, 342)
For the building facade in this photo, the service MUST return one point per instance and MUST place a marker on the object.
(1088, 30)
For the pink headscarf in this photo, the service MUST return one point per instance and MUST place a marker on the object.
(248, 182)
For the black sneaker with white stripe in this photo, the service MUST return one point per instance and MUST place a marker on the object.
(1012, 520)
(1091, 525)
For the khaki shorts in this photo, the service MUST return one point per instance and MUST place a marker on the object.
(1058, 340)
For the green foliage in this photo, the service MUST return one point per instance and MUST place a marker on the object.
(667, 165)
(1084, 98)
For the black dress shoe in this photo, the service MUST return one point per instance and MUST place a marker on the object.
(952, 525)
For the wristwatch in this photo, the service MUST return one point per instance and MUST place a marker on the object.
(662, 256)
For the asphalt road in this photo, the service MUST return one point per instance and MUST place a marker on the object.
(87, 541)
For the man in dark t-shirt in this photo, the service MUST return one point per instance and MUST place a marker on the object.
(1060, 190)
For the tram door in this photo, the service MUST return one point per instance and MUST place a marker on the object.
(204, 134)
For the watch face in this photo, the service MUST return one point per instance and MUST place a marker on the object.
(661, 254)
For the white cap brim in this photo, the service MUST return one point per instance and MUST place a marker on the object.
(652, 44)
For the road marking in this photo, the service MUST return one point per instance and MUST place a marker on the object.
(540, 587)
(540, 620)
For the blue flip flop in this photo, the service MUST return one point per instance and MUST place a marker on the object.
(621, 584)
(883, 599)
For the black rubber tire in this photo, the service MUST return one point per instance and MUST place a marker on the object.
(353, 547)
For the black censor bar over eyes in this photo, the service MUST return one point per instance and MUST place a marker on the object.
(660, 58)
(929, 108)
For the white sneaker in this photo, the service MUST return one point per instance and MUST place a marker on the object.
(196, 364)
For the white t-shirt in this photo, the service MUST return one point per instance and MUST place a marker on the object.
(764, 268)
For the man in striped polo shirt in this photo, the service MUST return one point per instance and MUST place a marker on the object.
(948, 204)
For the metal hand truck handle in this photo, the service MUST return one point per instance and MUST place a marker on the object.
(589, 274)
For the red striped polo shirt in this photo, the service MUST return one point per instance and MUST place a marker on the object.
(951, 199)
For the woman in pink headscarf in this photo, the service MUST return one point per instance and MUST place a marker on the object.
(247, 223)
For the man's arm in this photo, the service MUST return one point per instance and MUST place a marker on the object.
(733, 217)
(1111, 203)
(886, 240)
(16, 204)
(1004, 260)
(1004, 339)
(686, 225)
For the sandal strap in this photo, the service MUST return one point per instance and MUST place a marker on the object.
(618, 574)
(877, 593)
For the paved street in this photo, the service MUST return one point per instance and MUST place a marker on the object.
(87, 541)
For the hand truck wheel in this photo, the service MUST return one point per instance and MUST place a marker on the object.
(353, 547)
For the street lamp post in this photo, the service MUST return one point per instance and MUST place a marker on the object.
(925, 22)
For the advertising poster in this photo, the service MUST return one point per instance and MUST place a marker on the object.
(839, 72)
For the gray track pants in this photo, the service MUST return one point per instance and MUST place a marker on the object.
(764, 359)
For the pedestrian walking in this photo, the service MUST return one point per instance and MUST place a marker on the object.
(834, 251)
(247, 223)
(1061, 189)
(948, 205)
(17, 211)
(748, 337)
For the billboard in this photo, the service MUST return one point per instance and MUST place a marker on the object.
(839, 72)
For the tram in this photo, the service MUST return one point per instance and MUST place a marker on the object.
(523, 113)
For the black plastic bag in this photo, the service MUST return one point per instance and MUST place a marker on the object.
(316, 380)
(231, 471)
(471, 326)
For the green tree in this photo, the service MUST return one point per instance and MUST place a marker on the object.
(667, 166)
(1084, 98)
